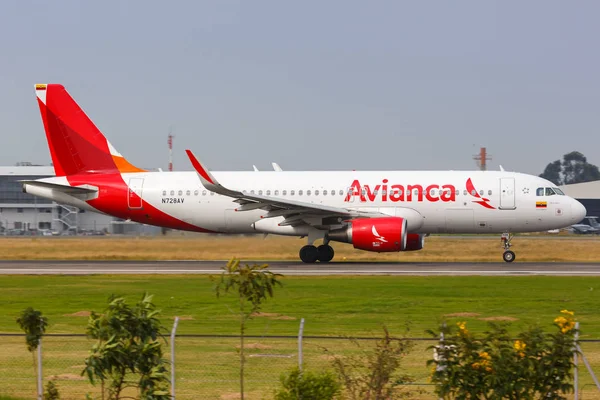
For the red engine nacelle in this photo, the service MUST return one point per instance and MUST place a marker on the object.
(415, 241)
(374, 234)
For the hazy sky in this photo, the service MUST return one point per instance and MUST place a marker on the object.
(310, 84)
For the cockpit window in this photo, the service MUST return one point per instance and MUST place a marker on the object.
(549, 192)
(539, 192)
(558, 191)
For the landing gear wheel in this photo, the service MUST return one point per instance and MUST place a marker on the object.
(509, 256)
(325, 253)
(309, 254)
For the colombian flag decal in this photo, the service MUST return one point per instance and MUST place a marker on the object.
(541, 204)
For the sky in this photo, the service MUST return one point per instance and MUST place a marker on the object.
(311, 85)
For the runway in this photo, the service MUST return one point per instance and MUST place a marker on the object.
(298, 268)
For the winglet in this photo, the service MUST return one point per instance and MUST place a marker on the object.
(276, 167)
(205, 175)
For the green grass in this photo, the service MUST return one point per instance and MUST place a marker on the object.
(207, 367)
(330, 305)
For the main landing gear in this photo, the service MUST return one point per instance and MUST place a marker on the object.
(508, 255)
(311, 254)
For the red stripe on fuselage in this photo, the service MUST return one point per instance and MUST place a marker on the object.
(112, 199)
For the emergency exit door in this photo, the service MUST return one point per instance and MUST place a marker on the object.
(134, 199)
(507, 194)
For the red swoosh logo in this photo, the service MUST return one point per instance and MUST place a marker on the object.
(473, 192)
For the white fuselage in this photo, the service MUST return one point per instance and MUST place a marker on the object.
(438, 202)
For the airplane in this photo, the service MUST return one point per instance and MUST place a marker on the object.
(378, 211)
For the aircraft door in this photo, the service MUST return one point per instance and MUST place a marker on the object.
(134, 197)
(507, 194)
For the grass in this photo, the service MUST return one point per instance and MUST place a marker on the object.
(217, 247)
(330, 305)
(347, 306)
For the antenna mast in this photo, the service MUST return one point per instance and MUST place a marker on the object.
(482, 159)
(170, 142)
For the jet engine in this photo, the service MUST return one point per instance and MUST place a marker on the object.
(415, 241)
(384, 234)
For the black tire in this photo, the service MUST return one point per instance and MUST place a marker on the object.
(325, 253)
(309, 254)
(509, 256)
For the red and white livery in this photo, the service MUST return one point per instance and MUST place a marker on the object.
(380, 211)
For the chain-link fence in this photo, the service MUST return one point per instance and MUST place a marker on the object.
(207, 367)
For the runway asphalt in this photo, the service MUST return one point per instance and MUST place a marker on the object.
(298, 268)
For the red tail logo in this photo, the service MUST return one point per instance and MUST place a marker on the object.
(482, 200)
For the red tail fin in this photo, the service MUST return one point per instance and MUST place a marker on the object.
(76, 145)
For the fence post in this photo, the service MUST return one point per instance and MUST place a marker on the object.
(40, 386)
(173, 332)
(300, 351)
(575, 362)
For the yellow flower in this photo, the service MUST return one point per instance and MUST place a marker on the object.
(521, 354)
(475, 365)
(571, 313)
(461, 325)
(565, 324)
(488, 369)
(485, 355)
(519, 346)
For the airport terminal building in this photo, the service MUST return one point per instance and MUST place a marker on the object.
(24, 214)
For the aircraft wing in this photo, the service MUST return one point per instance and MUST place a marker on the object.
(295, 212)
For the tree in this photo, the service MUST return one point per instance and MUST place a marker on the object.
(128, 350)
(375, 374)
(553, 172)
(34, 325)
(573, 168)
(252, 284)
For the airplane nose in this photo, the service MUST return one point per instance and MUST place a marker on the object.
(578, 211)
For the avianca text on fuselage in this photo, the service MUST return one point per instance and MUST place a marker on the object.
(401, 193)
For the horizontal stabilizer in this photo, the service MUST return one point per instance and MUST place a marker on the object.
(85, 189)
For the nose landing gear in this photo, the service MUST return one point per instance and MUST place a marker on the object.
(508, 255)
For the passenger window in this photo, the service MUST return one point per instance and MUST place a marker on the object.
(172, 193)
(284, 192)
(465, 192)
(292, 192)
(252, 192)
(188, 193)
(268, 192)
(481, 192)
(180, 193)
(341, 192)
(195, 193)
(164, 192)
(489, 192)
(276, 193)
(212, 193)
(204, 193)
(260, 192)
(316, 192)
(474, 192)
(333, 192)
(308, 192)
(457, 192)
(300, 192)
(539, 192)
(324, 192)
